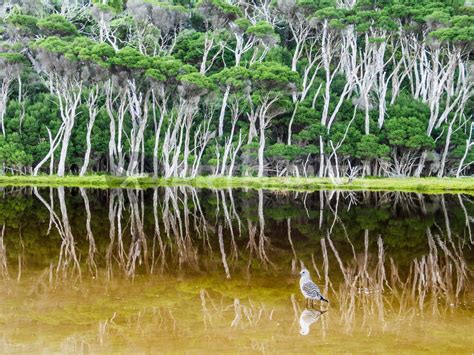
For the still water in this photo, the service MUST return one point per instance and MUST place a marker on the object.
(188, 270)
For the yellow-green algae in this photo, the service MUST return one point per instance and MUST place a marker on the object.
(155, 313)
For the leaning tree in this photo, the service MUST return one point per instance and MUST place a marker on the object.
(65, 76)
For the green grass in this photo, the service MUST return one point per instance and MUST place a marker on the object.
(425, 185)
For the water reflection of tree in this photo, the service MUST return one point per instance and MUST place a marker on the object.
(3, 255)
(369, 251)
(68, 263)
(91, 255)
(434, 282)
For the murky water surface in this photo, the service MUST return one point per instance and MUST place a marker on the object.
(186, 270)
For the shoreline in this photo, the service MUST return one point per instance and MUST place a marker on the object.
(423, 185)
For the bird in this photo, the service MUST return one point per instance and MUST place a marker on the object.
(307, 318)
(309, 289)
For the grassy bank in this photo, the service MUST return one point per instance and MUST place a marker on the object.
(425, 185)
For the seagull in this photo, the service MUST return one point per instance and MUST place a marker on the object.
(307, 318)
(309, 289)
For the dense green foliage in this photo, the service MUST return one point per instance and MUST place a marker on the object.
(287, 88)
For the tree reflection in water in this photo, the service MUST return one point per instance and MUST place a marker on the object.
(375, 254)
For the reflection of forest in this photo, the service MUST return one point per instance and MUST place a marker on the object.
(364, 248)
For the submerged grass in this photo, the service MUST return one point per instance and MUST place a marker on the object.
(424, 185)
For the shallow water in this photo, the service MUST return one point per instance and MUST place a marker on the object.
(186, 270)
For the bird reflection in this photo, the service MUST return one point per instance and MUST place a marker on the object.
(307, 318)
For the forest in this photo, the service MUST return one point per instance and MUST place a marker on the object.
(185, 88)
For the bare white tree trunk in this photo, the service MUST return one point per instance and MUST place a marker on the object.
(158, 126)
(321, 157)
(202, 139)
(138, 108)
(252, 126)
(261, 147)
(235, 112)
(234, 155)
(93, 111)
(68, 91)
(222, 111)
(290, 124)
(53, 144)
(64, 148)
(4, 91)
(464, 92)
(264, 121)
(116, 116)
(170, 142)
(187, 138)
(209, 44)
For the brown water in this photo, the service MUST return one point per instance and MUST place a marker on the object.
(185, 270)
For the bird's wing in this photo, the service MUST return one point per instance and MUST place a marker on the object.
(311, 289)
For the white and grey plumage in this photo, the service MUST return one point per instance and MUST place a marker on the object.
(307, 318)
(308, 288)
